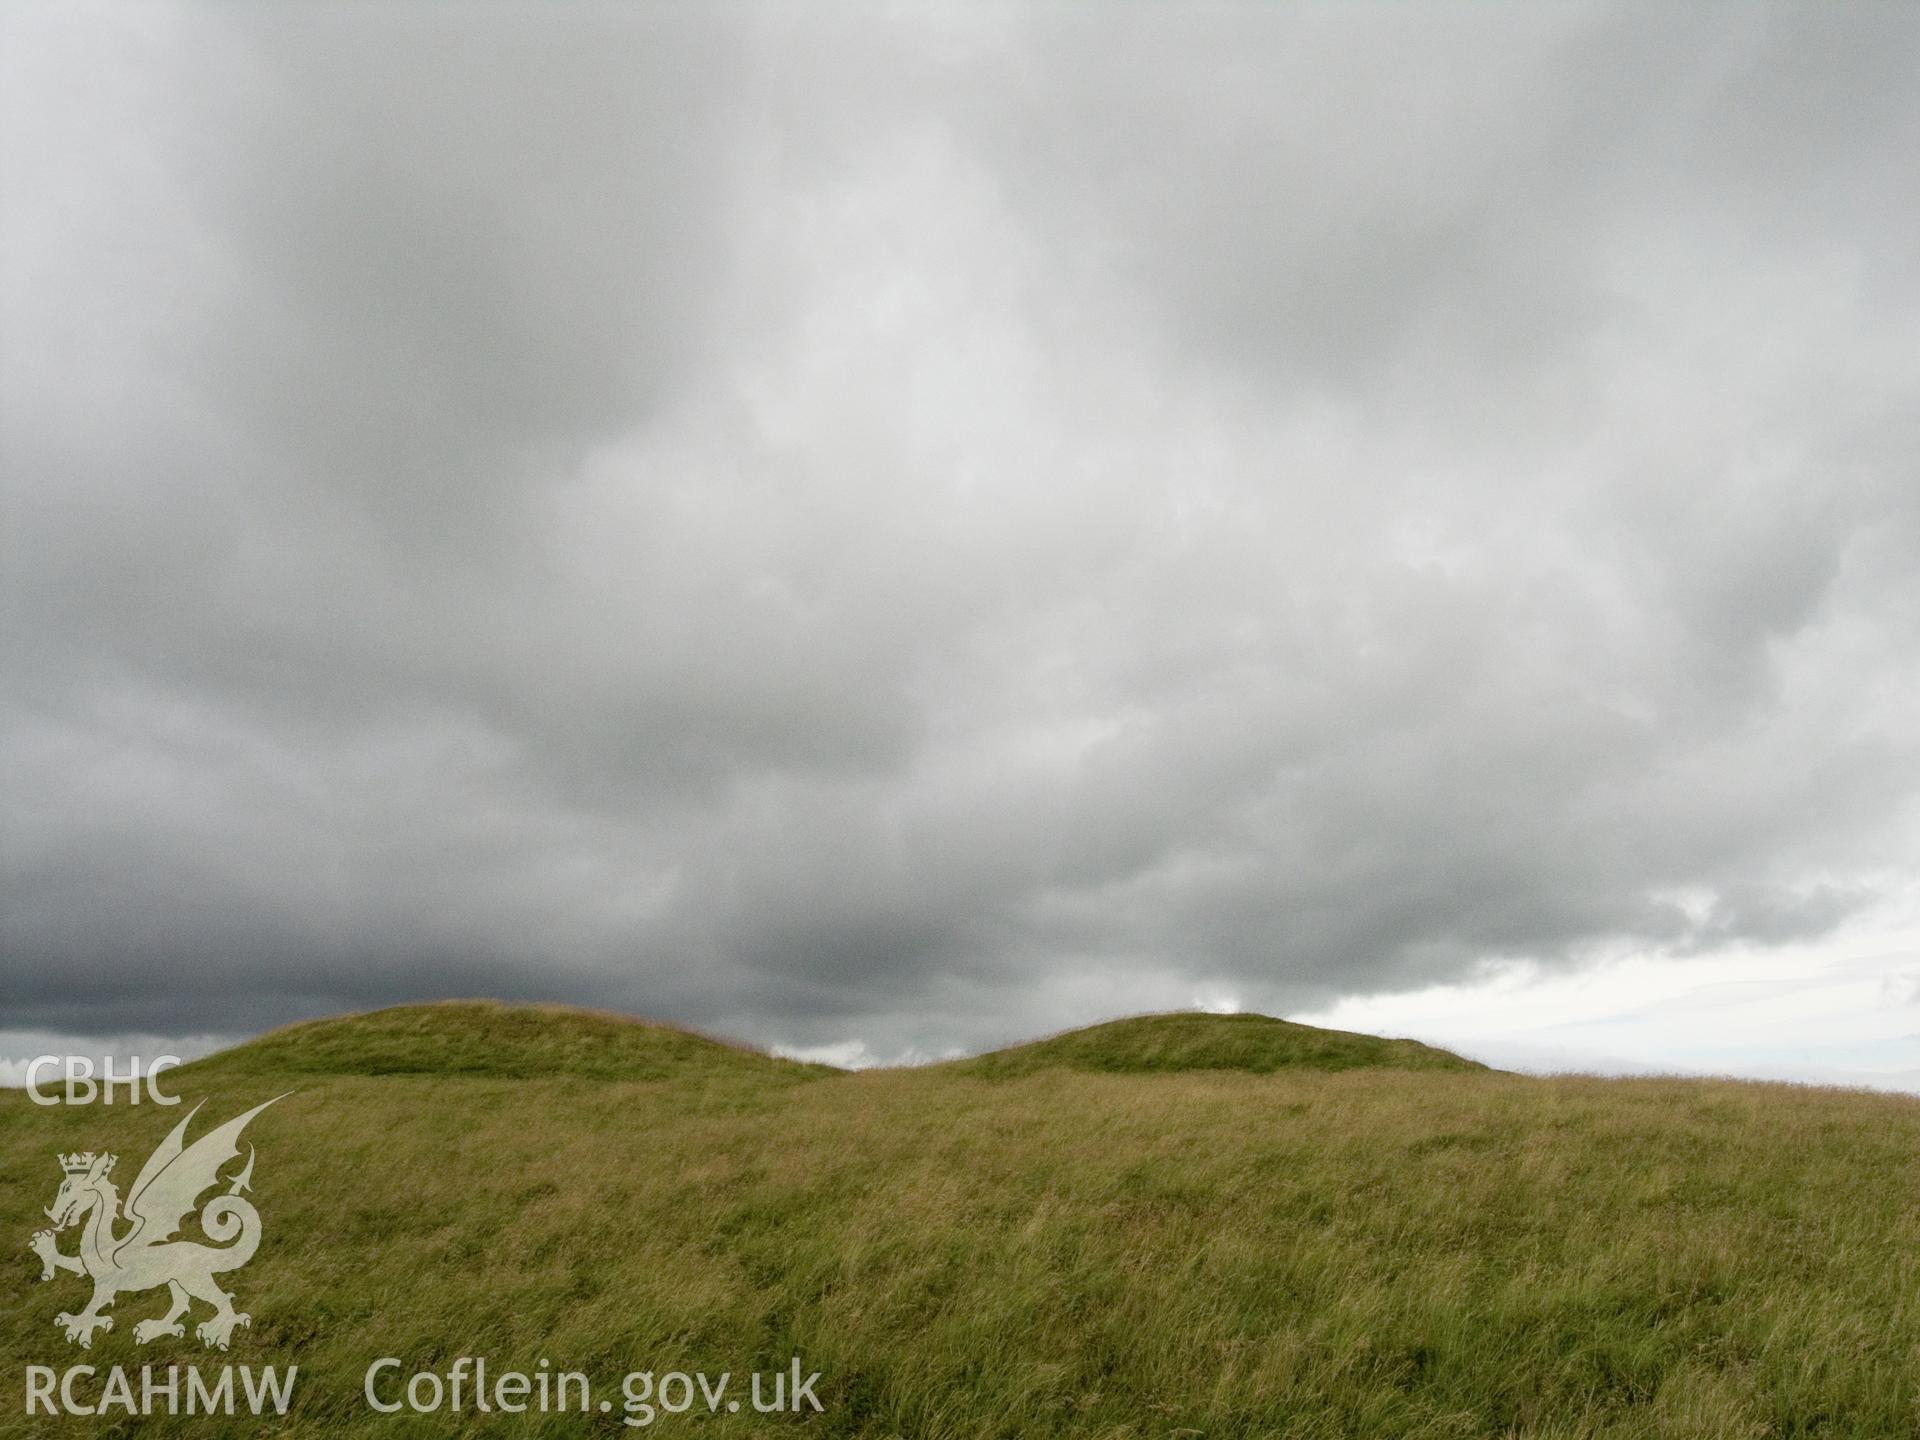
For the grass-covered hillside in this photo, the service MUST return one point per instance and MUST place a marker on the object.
(1258, 1044)
(1072, 1248)
(477, 1038)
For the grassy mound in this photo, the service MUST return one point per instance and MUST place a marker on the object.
(1259, 1044)
(1312, 1254)
(491, 1038)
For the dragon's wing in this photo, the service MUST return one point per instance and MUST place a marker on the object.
(165, 1152)
(174, 1177)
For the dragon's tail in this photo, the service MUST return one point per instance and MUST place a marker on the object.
(231, 1218)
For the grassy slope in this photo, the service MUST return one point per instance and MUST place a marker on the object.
(475, 1038)
(1368, 1252)
(1260, 1044)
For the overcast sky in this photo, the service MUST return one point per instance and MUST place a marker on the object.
(901, 528)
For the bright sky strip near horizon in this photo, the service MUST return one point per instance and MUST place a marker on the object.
(890, 530)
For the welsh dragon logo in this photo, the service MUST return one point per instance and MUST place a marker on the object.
(144, 1255)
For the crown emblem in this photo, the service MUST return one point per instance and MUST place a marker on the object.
(78, 1163)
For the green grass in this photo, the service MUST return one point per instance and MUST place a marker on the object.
(1258, 1044)
(478, 1038)
(1078, 1247)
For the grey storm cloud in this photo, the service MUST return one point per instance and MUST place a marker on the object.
(930, 524)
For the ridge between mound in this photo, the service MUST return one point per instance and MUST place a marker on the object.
(497, 1039)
